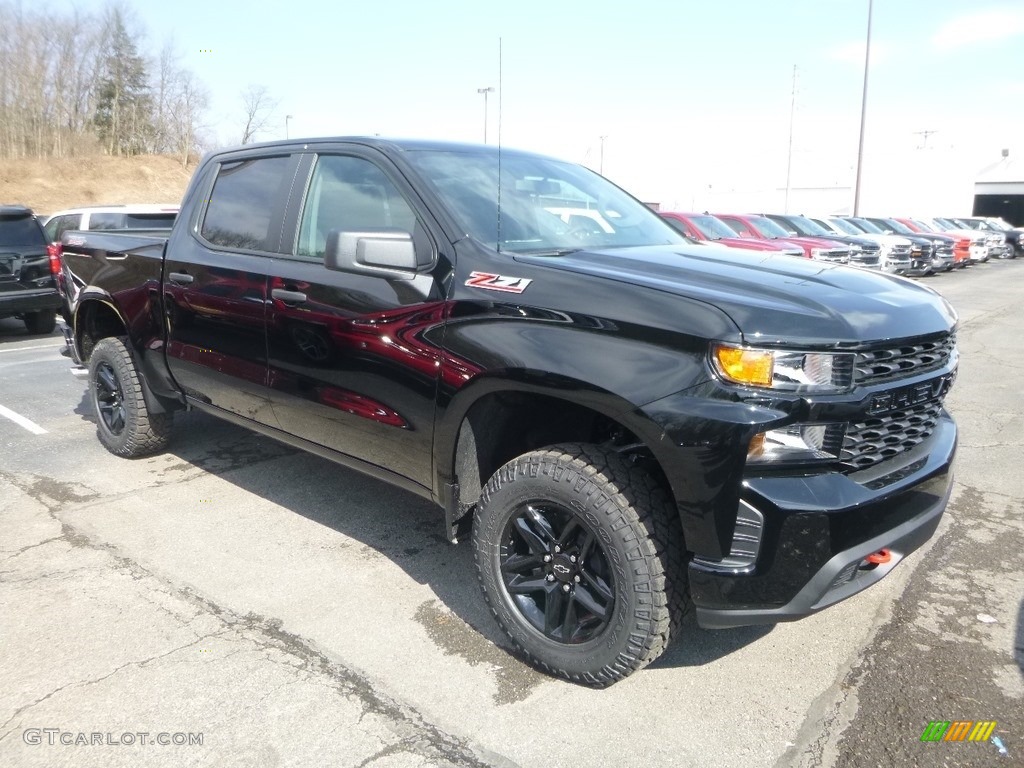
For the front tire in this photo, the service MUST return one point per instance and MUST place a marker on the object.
(125, 425)
(581, 559)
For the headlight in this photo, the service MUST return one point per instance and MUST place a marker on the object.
(817, 253)
(781, 369)
(797, 443)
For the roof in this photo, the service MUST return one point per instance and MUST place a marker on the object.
(1006, 171)
(15, 210)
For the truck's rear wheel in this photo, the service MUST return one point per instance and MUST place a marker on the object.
(124, 424)
(581, 559)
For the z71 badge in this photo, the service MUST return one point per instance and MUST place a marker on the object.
(494, 282)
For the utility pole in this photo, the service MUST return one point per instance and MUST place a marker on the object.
(600, 166)
(485, 91)
(863, 110)
(286, 119)
(924, 140)
(789, 155)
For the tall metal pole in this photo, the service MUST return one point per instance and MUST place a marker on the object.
(863, 111)
(600, 167)
(485, 91)
(789, 155)
(286, 119)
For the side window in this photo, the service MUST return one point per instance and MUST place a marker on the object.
(349, 194)
(106, 221)
(242, 203)
(741, 229)
(61, 224)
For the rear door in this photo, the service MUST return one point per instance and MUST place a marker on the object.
(354, 358)
(215, 284)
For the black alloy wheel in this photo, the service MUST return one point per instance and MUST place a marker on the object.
(124, 422)
(581, 558)
(558, 574)
(109, 398)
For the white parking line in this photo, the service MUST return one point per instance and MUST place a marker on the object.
(37, 346)
(21, 421)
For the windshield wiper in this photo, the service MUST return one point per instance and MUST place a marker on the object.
(547, 251)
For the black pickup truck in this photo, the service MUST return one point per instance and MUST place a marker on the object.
(629, 425)
(27, 287)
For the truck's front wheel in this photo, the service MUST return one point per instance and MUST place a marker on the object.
(581, 559)
(124, 424)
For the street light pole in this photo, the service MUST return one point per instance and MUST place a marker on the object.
(485, 91)
(286, 119)
(863, 111)
(600, 167)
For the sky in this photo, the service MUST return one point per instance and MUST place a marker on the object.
(693, 100)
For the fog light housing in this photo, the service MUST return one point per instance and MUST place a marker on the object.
(797, 443)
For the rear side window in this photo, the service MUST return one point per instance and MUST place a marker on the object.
(106, 221)
(149, 220)
(242, 203)
(20, 230)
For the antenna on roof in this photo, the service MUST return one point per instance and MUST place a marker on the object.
(501, 93)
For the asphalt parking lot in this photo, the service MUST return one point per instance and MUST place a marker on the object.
(255, 606)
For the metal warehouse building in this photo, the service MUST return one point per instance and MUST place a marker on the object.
(999, 191)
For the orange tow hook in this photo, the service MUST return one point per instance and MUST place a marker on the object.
(879, 557)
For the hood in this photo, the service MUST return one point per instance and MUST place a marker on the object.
(774, 299)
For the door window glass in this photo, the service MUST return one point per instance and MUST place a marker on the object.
(106, 221)
(242, 203)
(350, 194)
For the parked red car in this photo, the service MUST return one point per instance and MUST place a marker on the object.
(763, 228)
(704, 226)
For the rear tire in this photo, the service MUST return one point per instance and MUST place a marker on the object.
(41, 322)
(124, 424)
(581, 559)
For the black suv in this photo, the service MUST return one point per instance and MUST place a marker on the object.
(27, 287)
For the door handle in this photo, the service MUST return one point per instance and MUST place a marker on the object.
(288, 297)
(180, 278)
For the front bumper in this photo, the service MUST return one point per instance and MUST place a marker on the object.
(819, 529)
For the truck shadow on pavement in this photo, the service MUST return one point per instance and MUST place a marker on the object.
(377, 518)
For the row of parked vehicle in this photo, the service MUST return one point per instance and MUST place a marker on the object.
(914, 247)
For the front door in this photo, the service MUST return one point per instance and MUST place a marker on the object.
(351, 367)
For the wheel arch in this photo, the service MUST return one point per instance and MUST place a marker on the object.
(496, 419)
(97, 317)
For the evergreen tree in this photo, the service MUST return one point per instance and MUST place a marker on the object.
(124, 107)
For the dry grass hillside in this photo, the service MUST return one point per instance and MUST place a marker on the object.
(51, 185)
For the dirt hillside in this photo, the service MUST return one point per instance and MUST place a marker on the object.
(52, 185)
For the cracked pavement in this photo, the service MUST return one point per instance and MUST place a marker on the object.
(296, 613)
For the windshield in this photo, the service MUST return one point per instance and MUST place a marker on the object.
(20, 230)
(546, 206)
(809, 227)
(867, 226)
(844, 226)
(898, 227)
(767, 227)
(713, 228)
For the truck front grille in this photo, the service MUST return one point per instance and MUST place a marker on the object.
(877, 366)
(877, 439)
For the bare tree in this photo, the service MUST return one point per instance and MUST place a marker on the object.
(69, 80)
(259, 111)
(189, 104)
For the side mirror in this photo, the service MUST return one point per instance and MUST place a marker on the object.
(386, 253)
